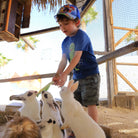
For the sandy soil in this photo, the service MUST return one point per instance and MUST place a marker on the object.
(119, 122)
(122, 123)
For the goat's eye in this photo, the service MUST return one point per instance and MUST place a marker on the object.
(29, 93)
(35, 91)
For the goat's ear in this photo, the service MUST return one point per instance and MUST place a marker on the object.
(74, 86)
(70, 83)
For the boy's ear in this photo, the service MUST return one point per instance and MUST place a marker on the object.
(78, 23)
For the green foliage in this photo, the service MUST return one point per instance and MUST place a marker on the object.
(133, 36)
(3, 60)
(21, 44)
(45, 88)
(90, 15)
(34, 40)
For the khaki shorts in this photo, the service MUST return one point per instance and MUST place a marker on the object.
(88, 90)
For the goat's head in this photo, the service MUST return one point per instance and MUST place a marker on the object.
(69, 89)
(27, 96)
(47, 96)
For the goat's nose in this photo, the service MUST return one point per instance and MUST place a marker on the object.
(46, 96)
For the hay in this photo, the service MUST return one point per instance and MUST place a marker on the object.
(46, 4)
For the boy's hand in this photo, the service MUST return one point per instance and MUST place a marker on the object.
(63, 78)
(56, 79)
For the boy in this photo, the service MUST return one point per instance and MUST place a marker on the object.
(77, 48)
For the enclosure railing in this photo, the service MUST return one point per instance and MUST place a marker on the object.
(108, 56)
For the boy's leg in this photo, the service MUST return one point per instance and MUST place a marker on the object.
(90, 95)
(93, 113)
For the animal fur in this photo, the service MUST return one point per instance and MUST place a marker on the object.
(75, 117)
(21, 127)
(31, 106)
(46, 128)
(51, 109)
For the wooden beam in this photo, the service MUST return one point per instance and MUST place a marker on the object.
(119, 52)
(109, 46)
(72, 2)
(28, 43)
(90, 3)
(38, 32)
(119, 41)
(126, 80)
(127, 49)
(100, 52)
(124, 28)
(26, 13)
(28, 77)
(127, 64)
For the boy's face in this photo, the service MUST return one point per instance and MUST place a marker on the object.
(68, 27)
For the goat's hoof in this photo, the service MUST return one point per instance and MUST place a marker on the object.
(64, 127)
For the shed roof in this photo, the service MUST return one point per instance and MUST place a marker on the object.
(13, 35)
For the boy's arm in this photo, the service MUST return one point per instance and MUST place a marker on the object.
(72, 65)
(60, 69)
(73, 62)
(62, 64)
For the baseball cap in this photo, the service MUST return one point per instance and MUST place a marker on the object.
(70, 11)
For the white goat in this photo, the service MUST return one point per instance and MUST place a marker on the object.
(75, 117)
(51, 109)
(31, 106)
(46, 128)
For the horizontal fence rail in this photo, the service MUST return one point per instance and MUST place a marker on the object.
(109, 56)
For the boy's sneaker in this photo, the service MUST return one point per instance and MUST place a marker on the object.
(71, 135)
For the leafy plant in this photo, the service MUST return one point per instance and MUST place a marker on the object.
(24, 46)
(3, 60)
(133, 36)
(90, 15)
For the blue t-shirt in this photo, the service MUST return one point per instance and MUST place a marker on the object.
(87, 64)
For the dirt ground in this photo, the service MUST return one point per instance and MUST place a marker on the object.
(117, 122)
(121, 122)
